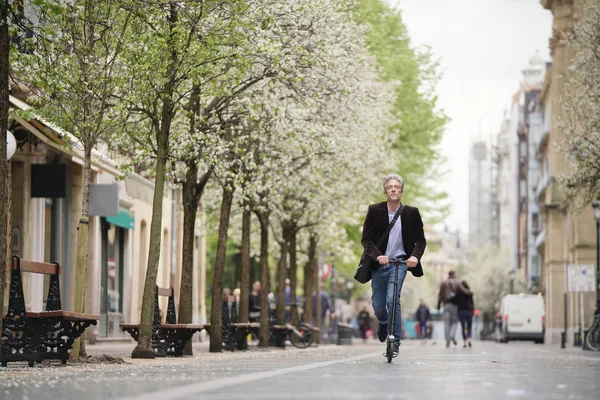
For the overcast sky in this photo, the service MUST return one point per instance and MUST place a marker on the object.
(482, 46)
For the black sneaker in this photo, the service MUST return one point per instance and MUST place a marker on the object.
(382, 332)
(396, 348)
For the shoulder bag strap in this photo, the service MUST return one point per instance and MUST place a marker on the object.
(391, 225)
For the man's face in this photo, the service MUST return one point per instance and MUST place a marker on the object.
(256, 286)
(393, 190)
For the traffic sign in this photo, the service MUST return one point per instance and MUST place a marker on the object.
(581, 277)
(325, 271)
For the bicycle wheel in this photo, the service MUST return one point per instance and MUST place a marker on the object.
(304, 340)
(389, 351)
(593, 338)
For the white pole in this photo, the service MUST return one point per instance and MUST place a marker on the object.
(36, 281)
(565, 276)
(581, 311)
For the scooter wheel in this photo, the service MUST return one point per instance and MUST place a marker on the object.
(389, 351)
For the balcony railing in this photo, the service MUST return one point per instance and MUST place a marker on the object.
(541, 145)
(540, 239)
(543, 185)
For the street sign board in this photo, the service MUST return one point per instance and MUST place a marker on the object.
(325, 271)
(581, 277)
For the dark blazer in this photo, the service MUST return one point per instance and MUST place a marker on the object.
(376, 223)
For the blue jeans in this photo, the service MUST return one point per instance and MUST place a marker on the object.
(382, 284)
(423, 329)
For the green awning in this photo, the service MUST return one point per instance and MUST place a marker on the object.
(124, 219)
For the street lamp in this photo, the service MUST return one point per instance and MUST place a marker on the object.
(596, 206)
(11, 144)
(350, 287)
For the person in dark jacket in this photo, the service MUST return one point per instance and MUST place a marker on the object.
(422, 315)
(464, 303)
(404, 242)
(364, 323)
(254, 303)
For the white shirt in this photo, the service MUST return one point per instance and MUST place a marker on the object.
(395, 246)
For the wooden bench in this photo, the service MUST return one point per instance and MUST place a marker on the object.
(37, 336)
(235, 333)
(168, 339)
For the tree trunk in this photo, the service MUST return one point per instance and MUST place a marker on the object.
(4, 69)
(144, 346)
(78, 349)
(309, 277)
(293, 276)
(245, 273)
(263, 333)
(216, 341)
(281, 284)
(190, 205)
(192, 193)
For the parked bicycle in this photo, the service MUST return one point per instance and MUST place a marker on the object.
(301, 336)
(593, 336)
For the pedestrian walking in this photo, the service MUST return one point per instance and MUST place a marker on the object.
(364, 323)
(236, 294)
(288, 301)
(423, 316)
(448, 290)
(405, 242)
(325, 304)
(464, 303)
(254, 303)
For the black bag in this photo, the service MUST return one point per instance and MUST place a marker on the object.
(363, 273)
(366, 263)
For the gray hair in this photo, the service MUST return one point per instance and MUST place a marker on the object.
(393, 177)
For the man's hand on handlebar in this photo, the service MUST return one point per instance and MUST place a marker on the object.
(383, 260)
(412, 262)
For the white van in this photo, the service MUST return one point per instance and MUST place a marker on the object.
(523, 317)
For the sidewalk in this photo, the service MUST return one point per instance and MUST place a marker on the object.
(327, 372)
(123, 350)
(120, 349)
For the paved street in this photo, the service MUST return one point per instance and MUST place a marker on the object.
(489, 370)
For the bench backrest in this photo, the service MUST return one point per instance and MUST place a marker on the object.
(171, 315)
(164, 291)
(16, 299)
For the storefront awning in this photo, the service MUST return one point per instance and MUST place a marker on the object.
(124, 219)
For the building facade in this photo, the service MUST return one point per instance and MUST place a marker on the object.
(567, 235)
(529, 128)
(482, 224)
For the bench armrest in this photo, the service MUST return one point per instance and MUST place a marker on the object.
(69, 315)
(183, 326)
